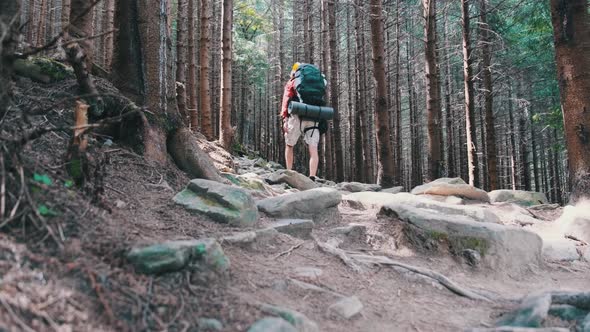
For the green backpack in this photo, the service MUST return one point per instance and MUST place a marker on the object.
(310, 85)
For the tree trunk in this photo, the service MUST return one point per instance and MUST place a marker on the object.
(432, 92)
(225, 130)
(9, 36)
(571, 25)
(524, 154)
(367, 161)
(42, 24)
(108, 41)
(492, 159)
(334, 93)
(513, 159)
(386, 171)
(82, 27)
(469, 100)
(204, 100)
(181, 54)
(192, 68)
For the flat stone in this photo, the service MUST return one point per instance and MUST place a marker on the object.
(532, 312)
(368, 200)
(297, 319)
(220, 202)
(451, 187)
(252, 239)
(355, 187)
(351, 233)
(308, 272)
(204, 254)
(520, 197)
(499, 246)
(567, 312)
(585, 325)
(393, 190)
(292, 178)
(209, 324)
(300, 228)
(319, 205)
(519, 329)
(272, 324)
(347, 307)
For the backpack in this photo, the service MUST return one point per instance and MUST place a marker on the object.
(310, 85)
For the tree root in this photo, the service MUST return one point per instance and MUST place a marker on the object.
(353, 260)
(576, 299)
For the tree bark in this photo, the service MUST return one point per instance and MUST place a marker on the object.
(82, 27)
(205, 97)
(386, 171)
(225, 130)
(492, 159)
(181, 55)
(469, 97)
(571, 26)
(9, 36)
(433, 107)
(334, 93)
(192, 68)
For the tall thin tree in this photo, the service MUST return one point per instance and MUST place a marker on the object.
(386, 171)
(571, 26)
(204, 95)
(225, 130)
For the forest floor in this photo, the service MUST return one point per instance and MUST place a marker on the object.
(82, 281)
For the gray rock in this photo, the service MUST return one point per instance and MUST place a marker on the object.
(532, 312)
(500, 246)
(451, 187)
(297, 319)
(519, 329)
(347, 307)
(203, 254)
(393, 190)
(352, 233)
(308, 272)
(292, 178)
(320, 205)
(257, 239)
(355, 187)
(567, 312)
(368, 200)
(472, 257)
(585, 325)
(222, 203)
(520, 197)
(300, 228)
(272, 324)
(274, 166)
(209, 324)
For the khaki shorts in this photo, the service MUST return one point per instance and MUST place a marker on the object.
(296, 128)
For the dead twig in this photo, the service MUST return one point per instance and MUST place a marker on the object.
(97, 289)
(2, 187)
(14, 316)
(571, 237)
(289, 251)
(329, 249)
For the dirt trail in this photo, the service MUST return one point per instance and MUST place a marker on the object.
(393, 300)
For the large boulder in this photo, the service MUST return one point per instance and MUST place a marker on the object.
(500, 246)
(451, 187)
(272, 324)
(520, 197)
(251, 182)
(368, 200)
(222, 203)
(355, 187)
(204, 254)
(378, 200)
(292, 178)
(320, 205)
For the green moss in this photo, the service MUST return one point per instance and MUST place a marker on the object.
(437, 236)
(57, 71)
(459, 244)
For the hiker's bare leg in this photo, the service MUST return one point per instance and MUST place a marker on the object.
(289, 156)
(313, 160)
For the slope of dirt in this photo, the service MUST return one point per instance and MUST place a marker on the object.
(80, 281)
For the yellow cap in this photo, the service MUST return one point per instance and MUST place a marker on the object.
(295, 67)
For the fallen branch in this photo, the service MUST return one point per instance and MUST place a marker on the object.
(571, 237)
(96, 287)
(290, 250)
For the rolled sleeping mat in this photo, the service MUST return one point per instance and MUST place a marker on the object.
(311, 111)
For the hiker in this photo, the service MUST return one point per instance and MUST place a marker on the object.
(293, 125)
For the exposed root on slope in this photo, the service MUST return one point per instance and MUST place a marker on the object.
(354, 260)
